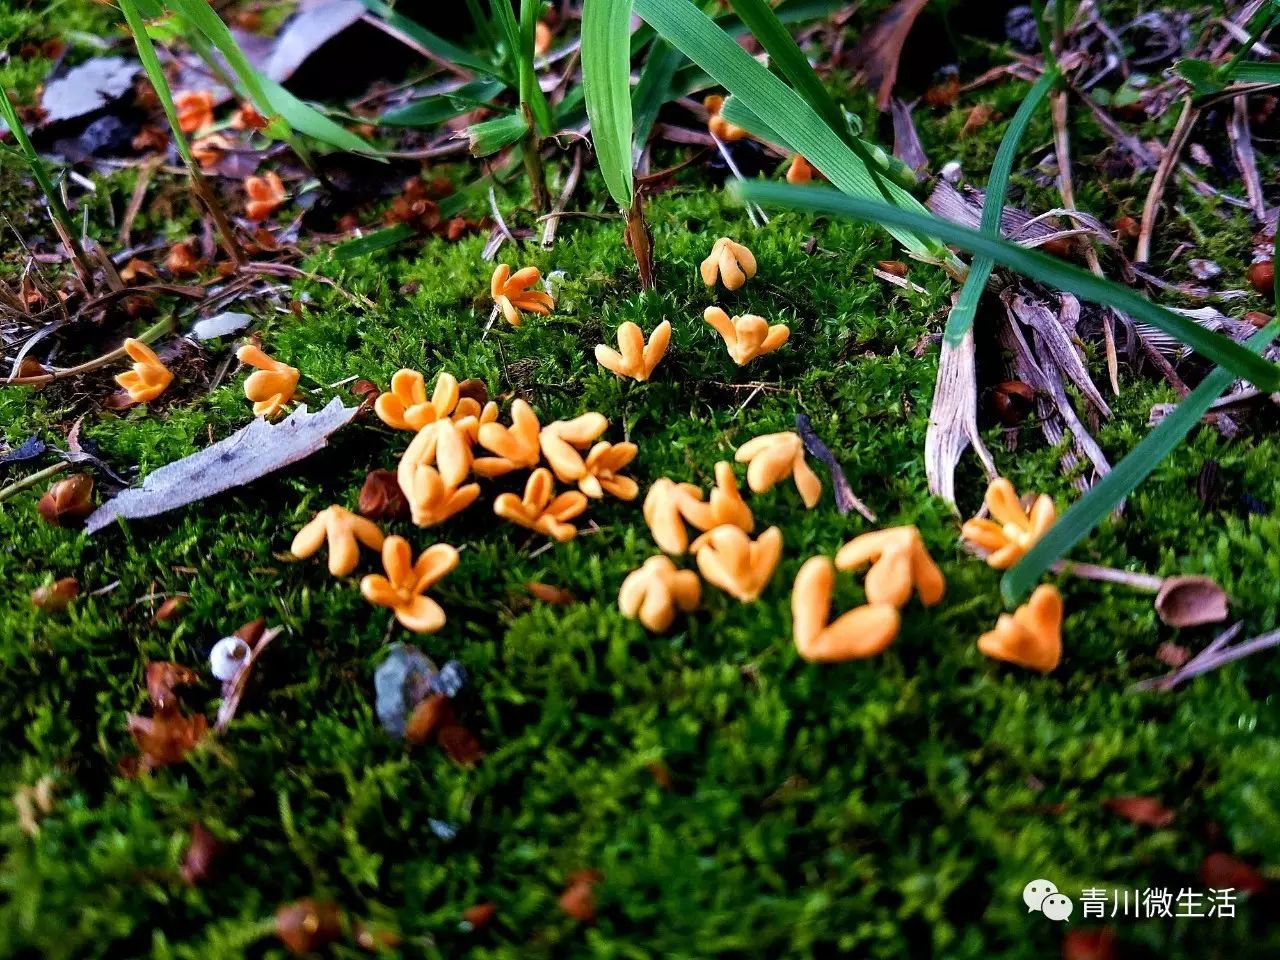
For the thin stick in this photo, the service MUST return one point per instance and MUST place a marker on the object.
(27, 482)
(1066, 187)
(1168, 160)
(552, 221)
(152, 333)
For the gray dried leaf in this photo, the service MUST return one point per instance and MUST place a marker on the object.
(29, 449)
(222, 325)
(249, 453)
(953, 420)
(87, 88)
(312, 27)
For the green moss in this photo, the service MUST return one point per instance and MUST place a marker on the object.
(889, 808)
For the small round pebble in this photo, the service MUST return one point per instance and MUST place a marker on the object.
(227, 657)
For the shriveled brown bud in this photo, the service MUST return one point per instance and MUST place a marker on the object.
(557, 596)
(68, 500)
(895, 267)
(1011, 401)
(308, 925)
(479, 916)
(31, 367)
(367, 391)
(54, 597)
(459, 744)
(162, 677)
(473, 388)
(1262, 276)
(170, 610)
(381, 497)
(1257, 318)
(579, 899)
(1128, 227)
(427, 718)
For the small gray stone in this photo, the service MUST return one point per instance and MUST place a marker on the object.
(399, 683)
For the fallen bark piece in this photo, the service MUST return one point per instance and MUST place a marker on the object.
(248, 454)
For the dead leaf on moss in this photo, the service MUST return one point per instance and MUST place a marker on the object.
(875, 58)
(248, 454)
(87, 88)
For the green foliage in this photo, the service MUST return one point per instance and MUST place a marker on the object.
(606, 77)
(776, 104)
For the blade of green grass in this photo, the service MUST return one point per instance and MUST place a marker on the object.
(155, 73)
(430, 111)
(786, 55)
(1256, 71)
(307, 120)
(57, 209)
(1110, 491)
(438, 45)
(606, 75)
(653, 88)
(1030, 263)
(776, 104)
(201, 17)
(960, 320)
(383, 239)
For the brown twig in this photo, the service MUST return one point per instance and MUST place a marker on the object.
(1168, 160)
(146, 336)
(1066, 187)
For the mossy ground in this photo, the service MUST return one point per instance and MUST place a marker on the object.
(888, 808)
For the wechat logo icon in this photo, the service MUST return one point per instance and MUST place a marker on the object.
(1043, 895)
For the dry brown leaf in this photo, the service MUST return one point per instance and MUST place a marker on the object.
(875, 58)
(162, 677)
(167, 737)
(249, 453)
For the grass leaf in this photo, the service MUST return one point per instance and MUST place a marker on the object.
(776, 104)
(307, 120)
(654, 88)
(786, 55)
(430, 111)
(606, 75)
(490, 136)
(960, 320)
(1110, 491)
(1030, 263)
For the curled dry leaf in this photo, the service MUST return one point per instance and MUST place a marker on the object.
(54, 597)
(875, 58)
(170, 610)
(67, 500)
(308, 925)
(1144, 811)
(428, 717)
(1191, 601)
(166, 737)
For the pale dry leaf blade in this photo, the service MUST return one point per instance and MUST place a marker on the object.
(255, 450)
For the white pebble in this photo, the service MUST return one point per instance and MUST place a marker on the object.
(951, 172)
(227, 657)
